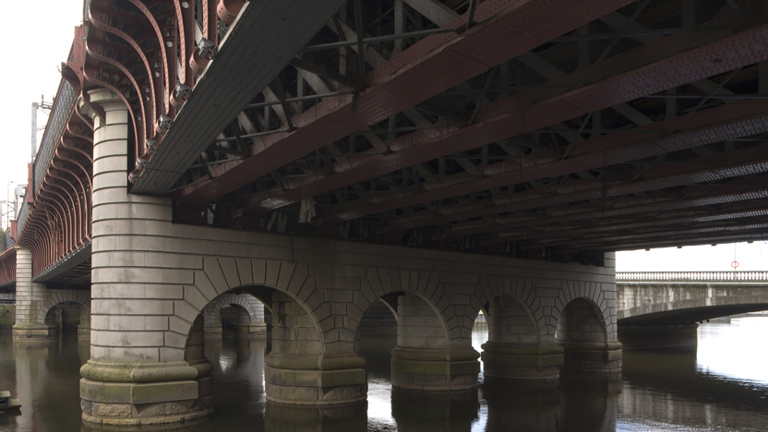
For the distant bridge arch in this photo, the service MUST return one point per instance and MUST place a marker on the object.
(686, 297)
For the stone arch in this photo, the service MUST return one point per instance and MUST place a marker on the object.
(515, 348)
(433, 350)
(510, 321)
(221, 275)
(250, 313)
(582, 333)
(80, 297)
(602, 299)
(307, 340)
(426, 285)
(580, 322)
(522, 290)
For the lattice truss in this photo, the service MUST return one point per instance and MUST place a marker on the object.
(533, 129)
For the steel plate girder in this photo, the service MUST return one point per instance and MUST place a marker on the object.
(689, 241)
(682, 236)
(754, 210)
(698, 170)
(266, 35)
(503, 30)
(728, 192)
(552, 106)
(738, 50)
(713, 125)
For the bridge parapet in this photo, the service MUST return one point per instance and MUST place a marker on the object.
(693, 276)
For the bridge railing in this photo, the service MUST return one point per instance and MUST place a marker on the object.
(692, 276)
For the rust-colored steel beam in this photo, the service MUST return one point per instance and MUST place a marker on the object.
(666, 234)
(549, 106)
(688, 172)
(739, 50)
(728, 192)
(688, 241)
(683, 236)
(503, 29)
(749, 209)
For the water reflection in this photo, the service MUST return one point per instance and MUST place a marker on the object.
(658, 391)
(736, 350)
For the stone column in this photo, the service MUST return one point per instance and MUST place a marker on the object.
(588, 336)
(513, 349)
(250, 319)
(140, 371)
(424, 358)
(299, 371)
(30, 324)
(584, 341)
(212, 321)
(84, 328)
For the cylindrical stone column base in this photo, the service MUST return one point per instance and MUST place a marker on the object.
(256, 330)
(603, 357)
(522, 362)
(434, 369)
(134, 395)
(315, 380)
(35, 333)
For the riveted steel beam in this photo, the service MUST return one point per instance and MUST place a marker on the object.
(503, 30)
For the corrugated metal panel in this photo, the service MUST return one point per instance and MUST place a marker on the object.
(260, 44)
(8, 241)
(23, 214)
(62, 107)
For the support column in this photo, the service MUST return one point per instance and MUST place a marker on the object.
(514, 350)
(146, 364)
(212, 321)
(679, 337)
(84, 328)
(250, 321)
(298, 371)
(424, 358)
(584, 339)
(30, 324)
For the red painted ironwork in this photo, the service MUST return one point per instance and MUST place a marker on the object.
(503, 30)
(135, 54)
(7, 266)
(509, 118)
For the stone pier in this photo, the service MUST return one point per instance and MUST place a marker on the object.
(152, 280)
(31, 296)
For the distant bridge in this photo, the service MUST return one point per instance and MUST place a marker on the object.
(688, 297)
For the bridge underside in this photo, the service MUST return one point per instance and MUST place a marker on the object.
(692, 315)
(185, 162)
(533, 131)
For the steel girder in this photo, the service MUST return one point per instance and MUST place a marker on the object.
(523, 112)
(702, 125)
(502, 30)
(260, 43)
(514, 117)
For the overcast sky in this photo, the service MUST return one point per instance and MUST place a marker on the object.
(38, 47)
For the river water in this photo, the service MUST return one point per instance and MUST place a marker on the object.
(722, 386)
